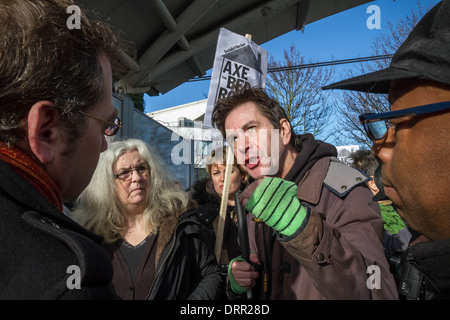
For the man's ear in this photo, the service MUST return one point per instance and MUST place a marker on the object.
(285, 131)
(43, 130)
(372, 186)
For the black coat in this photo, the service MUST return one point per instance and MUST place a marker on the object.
(208, 201)
(43, 253)
(423, 271)
(185, 260)
(208, 211)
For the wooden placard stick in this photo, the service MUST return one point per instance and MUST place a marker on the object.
(224, 202)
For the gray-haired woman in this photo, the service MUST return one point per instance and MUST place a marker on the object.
(158, 248)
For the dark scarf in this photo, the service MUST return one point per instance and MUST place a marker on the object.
(312, 150)
(33, 172)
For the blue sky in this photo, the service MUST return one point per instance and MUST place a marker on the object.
(342, 36)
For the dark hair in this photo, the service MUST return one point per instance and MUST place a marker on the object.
(364, 160)
(269, 108)
(41, 58)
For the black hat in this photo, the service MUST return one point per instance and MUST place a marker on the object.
(425, 54)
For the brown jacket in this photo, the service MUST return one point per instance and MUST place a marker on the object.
(330, 257)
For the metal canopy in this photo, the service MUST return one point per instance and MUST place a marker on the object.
(176, 39)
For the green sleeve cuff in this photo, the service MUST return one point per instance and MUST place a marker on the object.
(233, 284)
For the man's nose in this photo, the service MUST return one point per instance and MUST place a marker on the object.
(242, 144)
(382, 148)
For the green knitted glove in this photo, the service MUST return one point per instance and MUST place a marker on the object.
(233, 284)
(275, 202)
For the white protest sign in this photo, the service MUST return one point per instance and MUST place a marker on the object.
(238, 62)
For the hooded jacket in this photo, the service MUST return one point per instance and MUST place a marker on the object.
(335, 252)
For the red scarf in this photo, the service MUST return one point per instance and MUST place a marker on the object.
(33, 172)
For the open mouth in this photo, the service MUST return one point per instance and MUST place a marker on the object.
(252, 163)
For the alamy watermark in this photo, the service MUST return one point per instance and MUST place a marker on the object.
(74, 20)
(251, 147)
(374, 279)
(372, 282)
(374, 20)
(74, 280)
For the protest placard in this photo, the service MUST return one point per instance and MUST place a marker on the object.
(238, 62)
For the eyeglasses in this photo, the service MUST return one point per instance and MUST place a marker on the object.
(112, 127)
(126, 174)
(376, 125)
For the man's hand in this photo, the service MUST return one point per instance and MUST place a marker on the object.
(242, 275)
(247, 193)
(275, 202)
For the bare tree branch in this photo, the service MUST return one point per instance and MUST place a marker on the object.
(299, 91)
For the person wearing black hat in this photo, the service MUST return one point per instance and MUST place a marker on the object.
(411, 143)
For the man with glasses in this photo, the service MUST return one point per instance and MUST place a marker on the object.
(412, 145)
(55, 110)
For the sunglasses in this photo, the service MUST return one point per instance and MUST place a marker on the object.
(376, 125)
(112, 127)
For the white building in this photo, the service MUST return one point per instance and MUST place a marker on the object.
(193, 111)
(187, 121)
(344, 152)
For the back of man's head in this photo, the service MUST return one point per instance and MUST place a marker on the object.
(43, 57)
(364, 160)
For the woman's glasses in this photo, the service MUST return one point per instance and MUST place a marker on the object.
(112, 127)
(126, 174)
(376, 125)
